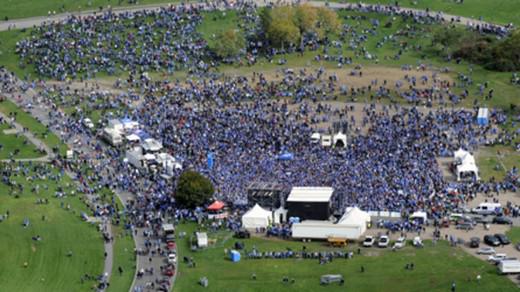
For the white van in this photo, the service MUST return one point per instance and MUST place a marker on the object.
(487, 209)
(509, 267)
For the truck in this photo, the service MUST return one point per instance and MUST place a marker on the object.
(508, 267)
(112, 136)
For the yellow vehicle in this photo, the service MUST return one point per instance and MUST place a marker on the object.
(337, 241)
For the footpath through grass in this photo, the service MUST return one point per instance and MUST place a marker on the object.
(16, 146)
(436, 267)
(34, 126)
(49, 268)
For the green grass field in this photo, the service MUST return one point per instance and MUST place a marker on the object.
(124, 257)
(29, 8)
(496, 161)
(498, 11)
(12, 142)
(436, 268)
(34, 126)
(514, 235)
(215, 22)
(49, 268)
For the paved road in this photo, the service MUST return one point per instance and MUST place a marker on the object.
(35, 21)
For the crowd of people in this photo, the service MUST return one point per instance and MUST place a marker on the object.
(248, 122)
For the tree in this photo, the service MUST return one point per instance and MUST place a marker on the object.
(305, 18)
(229, 43)
(193, 189)
(282, 32)
(328, 22)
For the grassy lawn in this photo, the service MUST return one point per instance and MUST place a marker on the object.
(49, 268)
(34, 126)
(436, 268)
(498, 11)
(514, 235)
(215, 22)
(29, 8)
(8, 58)
(493, 164)
(12, 142)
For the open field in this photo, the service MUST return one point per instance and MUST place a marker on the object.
(28, 8)
(496, 161)
(39, 130)
(48, 266)
(498, 11)
(436, 268)
(13, 143)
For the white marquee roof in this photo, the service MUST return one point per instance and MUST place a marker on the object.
(310, 194)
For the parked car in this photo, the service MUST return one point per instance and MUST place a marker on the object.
(172, 258)
(502, 220)
(502, 238)
(465, 226)
(383, 241)
(88, 123)
(369, 241)
(486, 250)
(474, 242)
(517, 246)
(400, 242)
(171, 245)
(497, 257)
(329, 279)
(491, 240)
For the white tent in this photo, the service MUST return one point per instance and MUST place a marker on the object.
(340, 140)
(352, 225)
(151, 145)
(466, 164)
(315, 138)
(279, 215)
(460, 154)
(467, 168)
(256, 217)
(354, 215)
(133, 138)
(419, 215)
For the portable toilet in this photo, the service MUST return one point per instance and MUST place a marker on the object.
(234, 256)
(326, 140)
(483, 116)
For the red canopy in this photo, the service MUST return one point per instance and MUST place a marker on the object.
(217, 205)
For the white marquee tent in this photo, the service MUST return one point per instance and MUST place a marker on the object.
(352, 225)
(466, 163)
(256, 217)
(280, 215)
(340, 140)
(315, 138)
